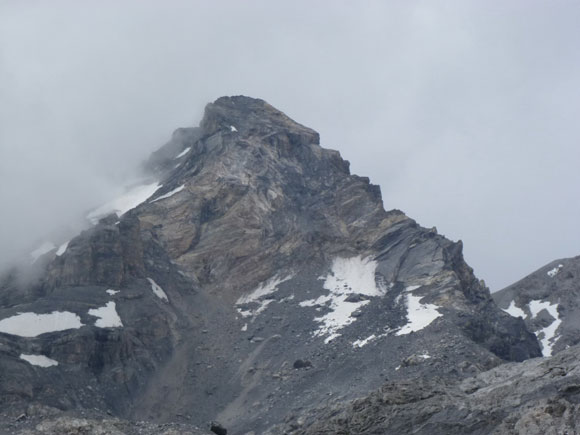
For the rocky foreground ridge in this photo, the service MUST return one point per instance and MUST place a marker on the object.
(250, 280)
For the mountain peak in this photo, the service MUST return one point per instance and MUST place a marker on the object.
(253, 116)
(255, 268)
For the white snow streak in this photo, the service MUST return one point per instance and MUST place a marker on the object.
(112, 292)
(107, 316)
(419, 315)
(232, 128)
(547, 335)
(124, 203)
(32, 324)
(265, 288)
(158, 290)
(62, 249)
(182, 153)
(361, 343)
(552, 273)
(514, 311)
(41, 250)
(38, 360)
(169, 194)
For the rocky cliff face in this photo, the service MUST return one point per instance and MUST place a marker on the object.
(549, 302)
(251, 278)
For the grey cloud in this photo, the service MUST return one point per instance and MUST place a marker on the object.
(463, 111)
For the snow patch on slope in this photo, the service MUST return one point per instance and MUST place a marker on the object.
(182, 153)
(257, 297)
(33, 325)
(355, 275)
(514, 311)
(264, 289)
(38, 360)
(547, 335)
(107, 316)
(419, 315)
(124, 203)
(41, 250)
(553, 272)
(158, 290)
(169, 194)
(361, 343)
(62, 249)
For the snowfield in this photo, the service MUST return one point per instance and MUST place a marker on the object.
(62, 249)
(547, 335)
(45, 248)
(33, 325)
(38, 360)
(419, 315)
(264, 289)
(348, 276)
(107, 316)
(158, 290)
(514, 311)
(121, 205)
(182, 153)
(169, 194)
(552, 273)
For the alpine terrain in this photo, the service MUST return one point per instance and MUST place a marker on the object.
(251, 284)
(549, 302)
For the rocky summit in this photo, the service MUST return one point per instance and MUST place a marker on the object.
(247, 285)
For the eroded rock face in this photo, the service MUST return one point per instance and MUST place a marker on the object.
(549, 302)
(258, 250)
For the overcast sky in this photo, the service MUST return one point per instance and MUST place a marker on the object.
(466, 113)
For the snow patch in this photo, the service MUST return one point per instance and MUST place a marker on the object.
(264, 289)
(169, 194)
(321, 300)
(553, 272)
(33, 325)
(121, 205)
(419, 315)
(514, 311)
(112, 292)
(425, 356)
(245, 327)
(355, 275)
(361, 343)
(41, 250)
(245, 313)
(182, 153)
(38, 360)
(537, 306)
(108, 317)
(547, 335)
(412, 288)
(62, 249)
(232, 128)
(158, 290)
